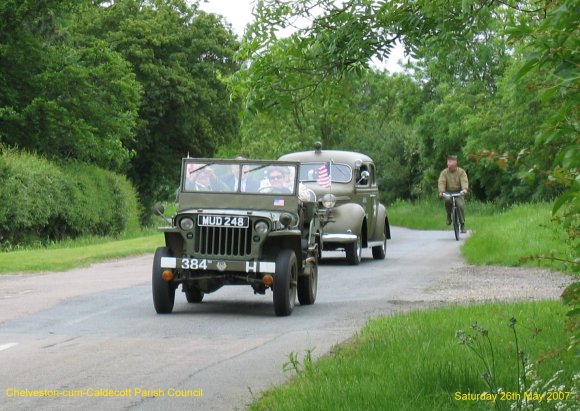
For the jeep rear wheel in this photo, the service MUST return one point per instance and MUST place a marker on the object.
(163, 291)
(193, 295)
(285, 282)
(354, 252)
(307, 286)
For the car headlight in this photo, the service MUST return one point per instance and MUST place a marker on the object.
(186, 223)
(328, 200)
(261, 227)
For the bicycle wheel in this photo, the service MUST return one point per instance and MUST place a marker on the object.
(455, 217)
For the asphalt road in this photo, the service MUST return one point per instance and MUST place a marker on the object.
(89, 339)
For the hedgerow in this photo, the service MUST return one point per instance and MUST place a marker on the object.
(43, 201)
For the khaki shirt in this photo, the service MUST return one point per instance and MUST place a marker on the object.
(452, 181)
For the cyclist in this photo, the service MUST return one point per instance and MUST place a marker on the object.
(453, 179)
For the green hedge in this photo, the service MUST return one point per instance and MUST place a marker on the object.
(43, 201)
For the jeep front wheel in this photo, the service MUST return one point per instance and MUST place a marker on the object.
(163, 291)
(285, 281)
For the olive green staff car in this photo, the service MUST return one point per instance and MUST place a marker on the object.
(239, 222)
(345, 182)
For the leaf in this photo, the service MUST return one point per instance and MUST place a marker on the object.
(561, 200)
(529, 65)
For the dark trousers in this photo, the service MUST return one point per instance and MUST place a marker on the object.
(460, 202)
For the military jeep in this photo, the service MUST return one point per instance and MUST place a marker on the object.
(240, 222)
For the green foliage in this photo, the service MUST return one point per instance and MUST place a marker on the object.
(32, 190)
(529, 384)
(180, 57)
(129, 85)
(58, 99)
(45, 202)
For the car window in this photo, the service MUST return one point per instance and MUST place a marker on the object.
(340, 173)
(367, 181)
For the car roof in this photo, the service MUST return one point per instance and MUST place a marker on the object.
(337, 156)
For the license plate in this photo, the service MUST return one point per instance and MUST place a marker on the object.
(223, 221)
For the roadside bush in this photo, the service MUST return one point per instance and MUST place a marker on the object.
(43, 202)
(32, 195)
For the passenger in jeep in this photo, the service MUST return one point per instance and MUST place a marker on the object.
(279, 179)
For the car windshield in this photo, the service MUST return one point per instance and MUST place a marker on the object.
(239, 177)
(319, 172)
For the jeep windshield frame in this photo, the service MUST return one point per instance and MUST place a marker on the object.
(244, 177)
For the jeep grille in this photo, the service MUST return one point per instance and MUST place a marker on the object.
(223, 241)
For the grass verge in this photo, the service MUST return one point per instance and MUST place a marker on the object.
(414, 361)
(72, 254)
(500, 236)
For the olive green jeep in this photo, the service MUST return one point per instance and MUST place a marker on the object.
(240, 222)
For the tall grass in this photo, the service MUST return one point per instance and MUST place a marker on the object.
(429, 214)
(511, 237)
(415, 362)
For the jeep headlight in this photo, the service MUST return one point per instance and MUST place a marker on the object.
(328, 200)
(186, 224)
(261, 227)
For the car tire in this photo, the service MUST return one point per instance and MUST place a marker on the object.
(163, 291)
(194, 295)
(354, 252)
(308, 286)
(380, 251)
(285, 283)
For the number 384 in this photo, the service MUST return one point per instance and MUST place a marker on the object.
(193, 264)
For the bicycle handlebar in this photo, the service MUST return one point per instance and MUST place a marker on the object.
(459, 194)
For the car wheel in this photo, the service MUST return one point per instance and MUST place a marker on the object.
(308, 286)
(163, 291)
(380, 251)
(285, 282)
(354, 252)
(193, 295)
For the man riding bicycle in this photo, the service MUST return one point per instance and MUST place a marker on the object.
(453, 179)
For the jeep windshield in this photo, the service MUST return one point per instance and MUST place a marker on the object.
(319, 172)
(236, 176)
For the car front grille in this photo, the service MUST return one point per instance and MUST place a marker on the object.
(223, 241)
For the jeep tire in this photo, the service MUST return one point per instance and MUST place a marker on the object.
(163, 291)
(193, 295)
(285, 282)
(307, 286)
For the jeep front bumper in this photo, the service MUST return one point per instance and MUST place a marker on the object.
(204, 264)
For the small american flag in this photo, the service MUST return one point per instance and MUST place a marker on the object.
(279, 202)
(323, 179)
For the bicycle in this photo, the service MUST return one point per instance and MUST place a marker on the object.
(455, 212)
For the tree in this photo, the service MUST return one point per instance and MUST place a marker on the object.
(180, 57)
(60, 100)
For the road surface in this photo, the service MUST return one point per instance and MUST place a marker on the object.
(89, 339)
